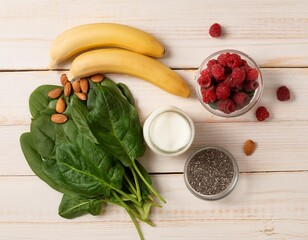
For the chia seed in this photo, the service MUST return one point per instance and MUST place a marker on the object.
(210, 171)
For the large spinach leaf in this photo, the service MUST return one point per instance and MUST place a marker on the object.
(75, 206)
(44, 135)
(36, 163)
(88, 168)
(115, 124)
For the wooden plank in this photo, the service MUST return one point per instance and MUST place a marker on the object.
(276, 196)
(280, 147)
(19, 85)
(273, 34)
(183, 230)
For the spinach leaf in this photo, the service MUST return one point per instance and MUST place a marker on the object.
(127, 93)
(40, 103)
(79, 113)
(44, 136)
(75, 206)
(115, 124)
(112, 87)
(88, 168)
(35, 162)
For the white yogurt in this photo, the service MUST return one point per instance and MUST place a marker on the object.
(169, 131)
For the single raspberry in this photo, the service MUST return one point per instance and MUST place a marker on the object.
(211, 63)
(215, 30)
(244, 63)
(222, 92)
(241, 98)
(262, 113)
(222, 59)
(229, 82)
(204, 80)
(283, 93)
(234, 60)
(226, 106)
(252, 74)
(238, 76)
(246, 68)
(250, 86)
(218, 72)
(208, 95)
(206, 72)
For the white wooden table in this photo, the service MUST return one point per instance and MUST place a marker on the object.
(271, 198)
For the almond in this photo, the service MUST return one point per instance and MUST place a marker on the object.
(81, 96)
(84, 85)
(63, 79)
(249, 147)
(55, 93)
(76, 86)
(97, 78)
(60, 106)
(67, 89)
(58, 118)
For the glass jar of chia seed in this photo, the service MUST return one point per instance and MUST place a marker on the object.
(211, 173)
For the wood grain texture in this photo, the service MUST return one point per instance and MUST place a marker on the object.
(273, 33)
(270, 200)
(257, 196)
(15, 111)
(183, 230)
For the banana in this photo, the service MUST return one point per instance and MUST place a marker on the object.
(113, 60)
(89, 36)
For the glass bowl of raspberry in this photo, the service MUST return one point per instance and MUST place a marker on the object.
(229, 83)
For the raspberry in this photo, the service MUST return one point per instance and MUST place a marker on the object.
(204, 80)
(250, 86)
(218, 72)
(283, 93)
(244, 63)
(211, 63)
(205, 72)
(262, 113)
(226, 106)
(252, 74)
(234, 60)
(238, 76)
(241, 98)
(215, 30)
(208, 95)
(222, 92)
(229, 82)
(222, 59)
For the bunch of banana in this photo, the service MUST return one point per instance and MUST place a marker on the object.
(123, 50)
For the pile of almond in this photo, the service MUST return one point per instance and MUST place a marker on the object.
(80, 88)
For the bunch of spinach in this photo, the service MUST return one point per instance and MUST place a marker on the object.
(91, 158)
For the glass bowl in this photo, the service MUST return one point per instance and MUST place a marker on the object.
(253, 100)
(224, 192)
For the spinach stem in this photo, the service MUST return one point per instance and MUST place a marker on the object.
(127, 208)
(127, 196)
(137, 184)
(136, 225)
(147, 184)
(131, 187)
